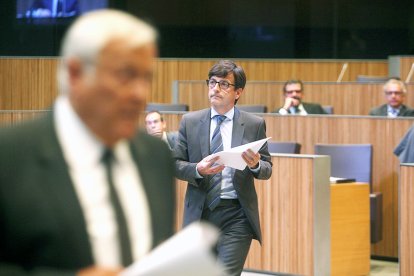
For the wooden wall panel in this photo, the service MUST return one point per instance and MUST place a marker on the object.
(406, 194)
(30, 83)
(406, 64)
(27, 83)
(348, 98)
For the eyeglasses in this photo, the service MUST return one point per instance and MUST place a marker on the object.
(211, 83)
(396, 93)
(291, 91)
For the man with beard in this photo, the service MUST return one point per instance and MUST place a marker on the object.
(293, 91)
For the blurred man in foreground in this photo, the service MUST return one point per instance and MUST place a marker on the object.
(80, 188)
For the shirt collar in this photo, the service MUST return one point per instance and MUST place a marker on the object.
(229, 114)
(81, 148)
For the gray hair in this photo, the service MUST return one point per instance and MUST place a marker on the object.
(90, 33)
(395, 81)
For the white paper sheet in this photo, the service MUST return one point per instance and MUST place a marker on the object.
(232, 157)
(187, 253)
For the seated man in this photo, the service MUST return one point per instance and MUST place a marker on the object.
(293, 91)
(394, 91)
(156, 126)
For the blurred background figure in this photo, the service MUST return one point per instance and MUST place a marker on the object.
(156, 126)
(394, 93)
(53, 8)
(293, 92)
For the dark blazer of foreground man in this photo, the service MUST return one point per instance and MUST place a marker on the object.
(237, 215)
(45, 227)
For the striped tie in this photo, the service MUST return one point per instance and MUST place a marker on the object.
(214, 186)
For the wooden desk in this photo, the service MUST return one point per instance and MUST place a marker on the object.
(350, 229)
(295, 218)
(406, 219)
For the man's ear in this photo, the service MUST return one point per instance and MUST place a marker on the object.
(238, 91)
(75, 72)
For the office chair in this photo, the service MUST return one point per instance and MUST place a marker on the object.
(166, 107)
(355, 161)
(284, 147)
(252, 108)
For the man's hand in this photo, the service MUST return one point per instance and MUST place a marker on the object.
(251, 158)
(289, 102)
(208, 166)
(98, 271)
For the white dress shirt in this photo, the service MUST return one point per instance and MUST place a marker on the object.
(83, 152)
(226, 129)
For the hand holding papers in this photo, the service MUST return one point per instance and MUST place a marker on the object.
(232, 157)
(187, 253)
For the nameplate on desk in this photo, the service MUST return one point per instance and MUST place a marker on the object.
(333, 179)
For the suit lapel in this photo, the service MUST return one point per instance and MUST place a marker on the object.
(59, 187)
(238, 129)
(204, 131)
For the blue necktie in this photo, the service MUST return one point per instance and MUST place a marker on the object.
(214, 187)
(394, 112)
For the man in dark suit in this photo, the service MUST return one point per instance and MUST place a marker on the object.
(394, 92)
(156, 126)
(293, 92)
(221, 195)
(80, 189)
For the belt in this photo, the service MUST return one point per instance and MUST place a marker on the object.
(228, 202)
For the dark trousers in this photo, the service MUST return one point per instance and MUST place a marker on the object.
(235, 234)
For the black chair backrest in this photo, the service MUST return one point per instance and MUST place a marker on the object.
(252, 108)
(284, 147)
(166, 107)
(349, 160)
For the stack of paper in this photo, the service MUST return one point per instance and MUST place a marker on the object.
(232, 157)
(189, 252)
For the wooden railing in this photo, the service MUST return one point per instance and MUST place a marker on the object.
(30, 83)
(348, 98)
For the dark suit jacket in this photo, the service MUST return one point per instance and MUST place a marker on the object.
(193, 145)
(382, 111)
(405, 149)
(172, 138)
(311, 108)
(42, 227)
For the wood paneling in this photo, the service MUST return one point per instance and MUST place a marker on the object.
(27, 83)
(349, 98)
(384, 135)
(406, 64)
(294, 216)
(30, 83)
(406, 195)
(350, 229)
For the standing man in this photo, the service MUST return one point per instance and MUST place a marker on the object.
(80, 188)
(221, 195)
(156, 126)
(293, 92)
(394, 92)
